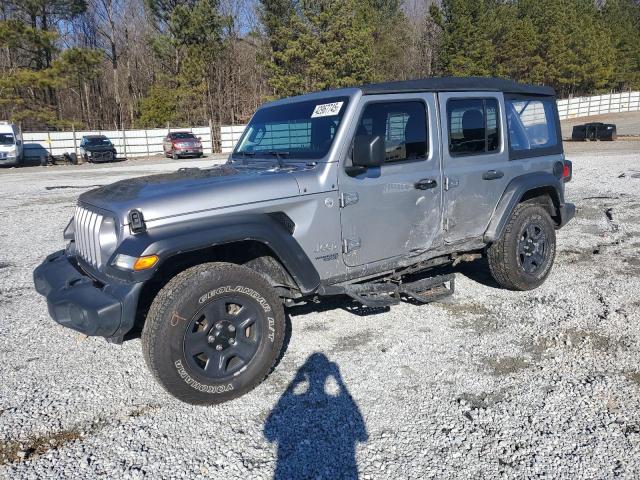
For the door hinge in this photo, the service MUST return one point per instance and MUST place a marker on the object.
(450, 183)
(348, 198)
(349, 245)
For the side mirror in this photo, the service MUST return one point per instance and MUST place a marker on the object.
(368, 151)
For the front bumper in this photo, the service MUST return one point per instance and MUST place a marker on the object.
(77, 301)
(567, 212)
(7, 160)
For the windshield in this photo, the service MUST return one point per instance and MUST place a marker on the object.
(6, 139)
(98, 141)
(294, 130)
(183, 135)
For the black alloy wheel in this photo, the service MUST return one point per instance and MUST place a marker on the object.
(532, 247)
(223, 337)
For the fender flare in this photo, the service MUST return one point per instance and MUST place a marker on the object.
(192, 235)
(512, 195)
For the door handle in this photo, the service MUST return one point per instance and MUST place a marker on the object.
(492, 175)
(426, 183)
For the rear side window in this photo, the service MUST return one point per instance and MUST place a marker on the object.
(531, 124)
(473, 126)
(403, 125)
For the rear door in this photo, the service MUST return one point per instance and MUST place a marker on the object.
(476, 165)
(394, 209)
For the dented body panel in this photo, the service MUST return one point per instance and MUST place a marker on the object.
(326, 221)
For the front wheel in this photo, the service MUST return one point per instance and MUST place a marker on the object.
(213, 333)
(524, 255)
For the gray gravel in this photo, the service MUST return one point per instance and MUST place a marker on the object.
(489, 384)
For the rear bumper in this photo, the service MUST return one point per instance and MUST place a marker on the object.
(77, 301)
(567, 212)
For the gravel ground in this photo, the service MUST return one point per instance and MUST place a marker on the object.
(488, 384)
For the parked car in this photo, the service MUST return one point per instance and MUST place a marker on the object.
(358, 191)
(97, 148)
(182, 144)
(11, 146)
(594, 131)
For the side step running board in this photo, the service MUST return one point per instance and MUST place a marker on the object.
(376, 295)
(430, 289)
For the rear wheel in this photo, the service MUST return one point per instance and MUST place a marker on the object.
(213, 333)
(524, 255)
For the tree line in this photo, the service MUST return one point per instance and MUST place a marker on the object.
(113, 64)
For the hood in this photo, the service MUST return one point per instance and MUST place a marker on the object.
(190, 190)
(98, 148)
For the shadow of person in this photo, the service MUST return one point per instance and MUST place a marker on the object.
(316, 425)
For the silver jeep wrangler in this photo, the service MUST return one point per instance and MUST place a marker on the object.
(359, 192)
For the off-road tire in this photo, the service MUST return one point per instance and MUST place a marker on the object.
(504, 262)
(181, 302)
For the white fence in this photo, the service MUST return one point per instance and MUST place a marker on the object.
(128, 143)
(599, 104)
(141, 143)
(229, 136)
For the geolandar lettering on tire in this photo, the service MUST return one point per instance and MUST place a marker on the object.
(238, 289)
(197, 385)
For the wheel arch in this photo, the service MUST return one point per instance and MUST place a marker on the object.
(259, 241)
(540, 188)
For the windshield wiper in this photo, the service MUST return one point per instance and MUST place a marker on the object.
(278, 156)
(245, 155)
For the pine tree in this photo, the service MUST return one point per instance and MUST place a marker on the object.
(621, 18)
(466, 45)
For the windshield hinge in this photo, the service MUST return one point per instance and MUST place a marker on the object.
(348, 198)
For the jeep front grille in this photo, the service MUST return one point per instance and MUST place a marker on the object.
(87, 235)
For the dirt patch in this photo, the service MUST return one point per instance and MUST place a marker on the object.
(464, 308)
(352, 342)
(14, 451)
(576, 338)
(64, 187)
(316, 327)
(480, 324)
(634, 377)
(480, 401)
(506, 365)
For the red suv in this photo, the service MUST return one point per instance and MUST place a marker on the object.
(182, 144)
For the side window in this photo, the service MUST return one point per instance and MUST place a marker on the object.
(402, 125)
(531, 123)
(473, 126)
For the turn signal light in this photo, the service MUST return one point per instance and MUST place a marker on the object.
(142, 263)
(127, 262)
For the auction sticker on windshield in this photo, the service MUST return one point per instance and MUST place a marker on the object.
(327, 109)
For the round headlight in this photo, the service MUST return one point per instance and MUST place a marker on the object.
(108, 237)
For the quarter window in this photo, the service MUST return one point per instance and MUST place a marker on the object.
(531, 123)
(473, 126)
(402, 125)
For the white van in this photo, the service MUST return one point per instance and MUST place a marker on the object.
(11, 146)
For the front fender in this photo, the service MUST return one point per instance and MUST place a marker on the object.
(190, 235)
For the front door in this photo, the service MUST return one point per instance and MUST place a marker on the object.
(393, 210)
(476, 165)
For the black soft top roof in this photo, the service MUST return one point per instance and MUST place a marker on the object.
(456, 84)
